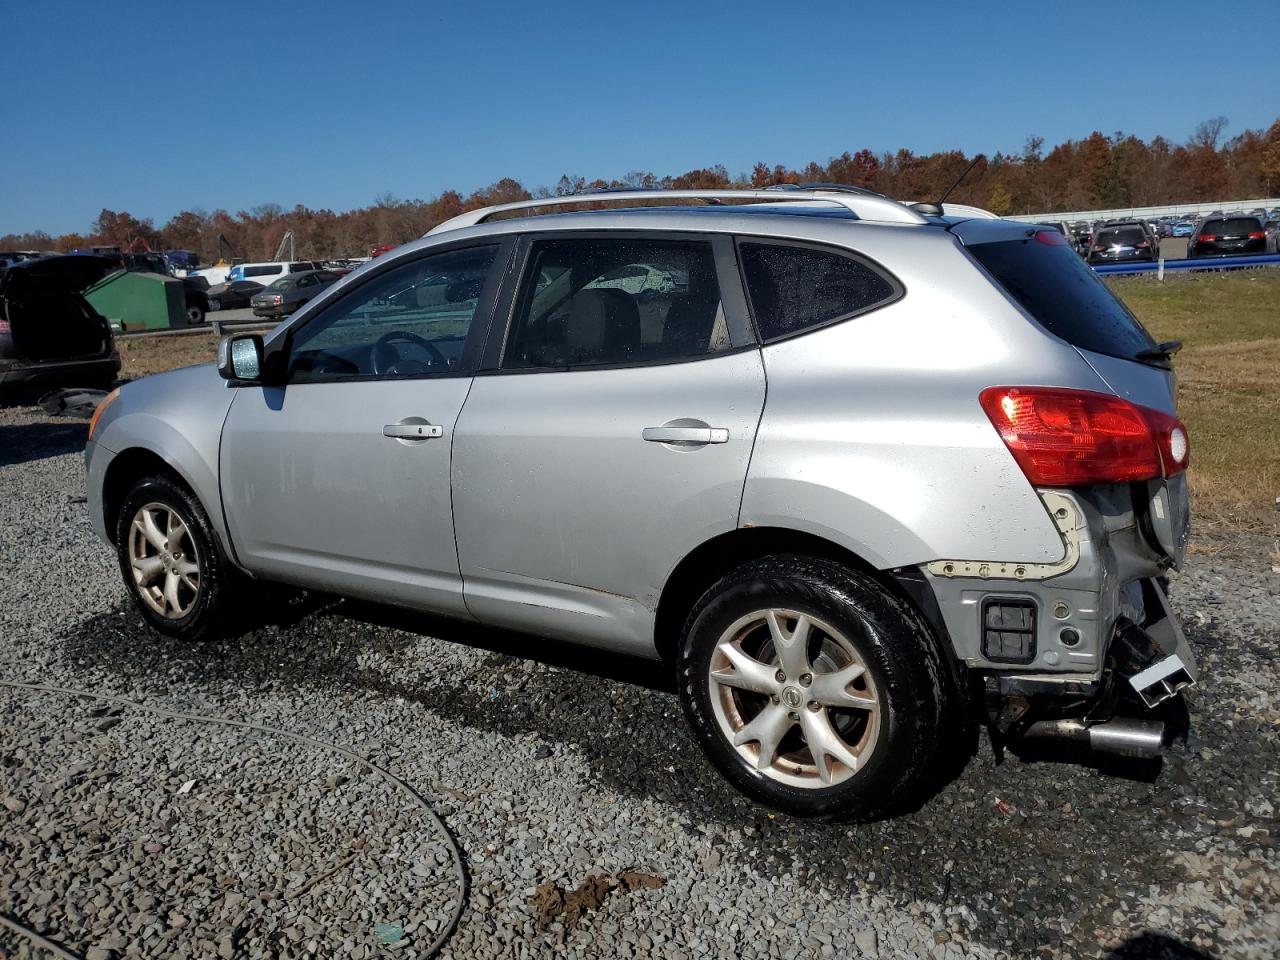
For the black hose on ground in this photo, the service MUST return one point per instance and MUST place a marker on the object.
(459, 866)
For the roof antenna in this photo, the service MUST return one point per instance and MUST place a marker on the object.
(935, 209)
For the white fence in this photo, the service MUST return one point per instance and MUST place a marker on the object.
(1148, 213)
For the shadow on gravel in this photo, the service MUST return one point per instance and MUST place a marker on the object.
(1156, 946)
(1028, 848)
(25, 442)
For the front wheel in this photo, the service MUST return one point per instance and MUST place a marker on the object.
(214, 304)
(812, 688)
(170, 560)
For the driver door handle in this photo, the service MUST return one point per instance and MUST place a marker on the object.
(413, 431)
(689, 435)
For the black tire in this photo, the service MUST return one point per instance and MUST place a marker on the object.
(893, 642)
(215, 304)
(195, 314)
(209, 614)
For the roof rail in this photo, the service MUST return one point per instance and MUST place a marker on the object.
(864, 207)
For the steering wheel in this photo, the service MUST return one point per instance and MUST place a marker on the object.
(386, 358)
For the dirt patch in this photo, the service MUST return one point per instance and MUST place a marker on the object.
(551, 902)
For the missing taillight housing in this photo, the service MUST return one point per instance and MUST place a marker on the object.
(1062, 437)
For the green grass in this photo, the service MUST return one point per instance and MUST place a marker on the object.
(1228, 383)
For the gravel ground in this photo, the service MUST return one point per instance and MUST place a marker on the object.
(590, 823)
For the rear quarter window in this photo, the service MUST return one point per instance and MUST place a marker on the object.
(796, 288)
(1064, 295)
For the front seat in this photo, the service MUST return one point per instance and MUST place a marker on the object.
(603, 327)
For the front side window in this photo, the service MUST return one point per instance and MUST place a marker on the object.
(412, 320)
(796, 288)
(599, 302)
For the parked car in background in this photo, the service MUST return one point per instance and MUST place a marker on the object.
(1081, 237)
(955, 507)
(234, 294)
(1272, 230)
(1184, 229)
(196, 294)
(50, 336)
(10, 257)
(288, 293)
(264, 273)
(1235, 236)
(1121, 241)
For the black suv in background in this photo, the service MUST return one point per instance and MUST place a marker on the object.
(50, 336)
(1237, 236)
(1117, 242)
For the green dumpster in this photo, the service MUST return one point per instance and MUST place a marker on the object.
(139, 301)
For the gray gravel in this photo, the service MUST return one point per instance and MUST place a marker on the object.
(557, 783)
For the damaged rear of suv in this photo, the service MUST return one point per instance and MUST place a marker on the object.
(1092, 632)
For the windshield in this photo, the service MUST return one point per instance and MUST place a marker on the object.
(1061, 292)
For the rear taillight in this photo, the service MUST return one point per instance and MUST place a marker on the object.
(1142, 243)
(4, 326)
(1206, 238)
(1069, 438)
(1257, 235)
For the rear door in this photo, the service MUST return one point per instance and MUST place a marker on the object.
(610, 434)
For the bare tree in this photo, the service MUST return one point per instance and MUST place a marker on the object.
(1207, 133)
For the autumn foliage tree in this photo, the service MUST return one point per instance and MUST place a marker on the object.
(1099, 171)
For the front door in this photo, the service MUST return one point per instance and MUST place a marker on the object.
(613, 437)
(339, 478)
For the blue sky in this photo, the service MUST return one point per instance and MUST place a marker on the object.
(153, 108)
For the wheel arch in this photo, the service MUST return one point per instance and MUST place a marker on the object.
(127, 468)
(711, 560)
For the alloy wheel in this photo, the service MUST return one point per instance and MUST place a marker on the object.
(164, 562)
(794, 697)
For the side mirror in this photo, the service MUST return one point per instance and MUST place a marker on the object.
(240, 358)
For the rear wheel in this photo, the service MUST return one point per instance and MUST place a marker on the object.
(170, 560)
(215, 304)
(195, 314)
(813, 688)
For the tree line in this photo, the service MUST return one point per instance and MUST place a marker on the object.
(1097, 172)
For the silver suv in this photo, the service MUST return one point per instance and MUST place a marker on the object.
(864, 473)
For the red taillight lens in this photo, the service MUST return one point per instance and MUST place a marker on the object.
(1257, 235)
(1051, 238)
(1143, 243)
(1206, 238)
(1069, 438)
(4, 326)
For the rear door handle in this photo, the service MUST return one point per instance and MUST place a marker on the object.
(413, 431)
(689, 435)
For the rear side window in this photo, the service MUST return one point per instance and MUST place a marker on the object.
(268, 270)
(598, 302)
(797, 288)
(1056, 287)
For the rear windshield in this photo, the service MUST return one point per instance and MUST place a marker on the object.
(1232, 226)
(1055, 286)
(1125, 235)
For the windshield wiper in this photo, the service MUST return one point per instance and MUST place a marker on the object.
(1160, 355)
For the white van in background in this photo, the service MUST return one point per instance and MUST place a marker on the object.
(269, 271)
